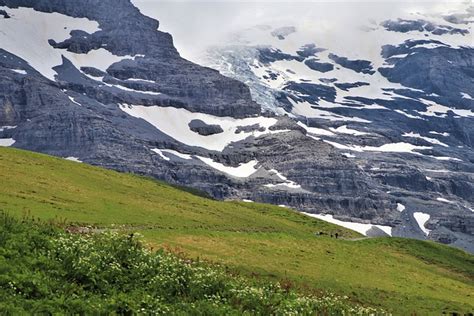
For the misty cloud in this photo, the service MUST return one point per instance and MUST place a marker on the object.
(196, 25)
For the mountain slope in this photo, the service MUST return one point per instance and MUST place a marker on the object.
(399, 275)
(117, 274)
(393, 98)
(102, 84)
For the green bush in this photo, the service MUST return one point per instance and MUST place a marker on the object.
(46, 271)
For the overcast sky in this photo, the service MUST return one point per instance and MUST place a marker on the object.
(197, 24)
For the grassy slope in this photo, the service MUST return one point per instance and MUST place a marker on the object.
(399, 275)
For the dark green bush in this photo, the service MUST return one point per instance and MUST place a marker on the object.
(46, 271)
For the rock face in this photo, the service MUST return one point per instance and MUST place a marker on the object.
(204, 129)
(402, 121)
(110, 89)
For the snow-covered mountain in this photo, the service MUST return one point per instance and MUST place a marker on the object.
(377, 138)
(394, 97)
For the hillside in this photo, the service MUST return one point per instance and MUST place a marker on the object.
(114, 274)
(256, 240)
(377, 128)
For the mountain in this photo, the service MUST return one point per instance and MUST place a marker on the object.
(99, 83)
(258, 242)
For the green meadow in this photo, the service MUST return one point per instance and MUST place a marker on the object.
(257, 242)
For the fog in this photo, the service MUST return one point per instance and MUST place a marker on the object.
(196, 25)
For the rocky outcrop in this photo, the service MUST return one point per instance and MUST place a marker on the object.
(204, 129)
(301, 144)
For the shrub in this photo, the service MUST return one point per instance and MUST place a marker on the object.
(46, 271)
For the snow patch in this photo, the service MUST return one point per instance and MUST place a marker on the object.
(400, 207)
(348, 155)
(444, 200)
(315, 130)
(244, 170)
(358, 227)
(445, 158)
(160, 152)
(438, 110)
(391, 147)
(287, 183)
(75, 159)
(6, 142)
(309, 110)
(130, 89)
(422, 219)
(438, 133)
(344, 130)
(4, 128)
(466, 96)
(175, 123)
(141, 80)
(409, 115)
(172, 152)
(22, 36)
(19, 71)
(74, 101)
(428, 139)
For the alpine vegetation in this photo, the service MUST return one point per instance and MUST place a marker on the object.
(48, 271)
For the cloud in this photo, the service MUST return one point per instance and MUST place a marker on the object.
(196, 25)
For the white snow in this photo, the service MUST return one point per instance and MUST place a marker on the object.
(160, 152)
(445, 158)
(6, 142)
(438, 170)
(99, 58)
(286, 183)
(315, 130)
(429, 45)
(75, 159)
(74, 101)
(438, 110)
(174, 122)
(19, 71)
(2, 128)
(141, 80)
(309, 110)
(409, 115)
(348, 155)
(129, 89)
(358, 227)
(422, 219)
(175, 153)
(445, 200)
(445, 134)
(345, 130)
(391, 147)
(27, 32)
(428, 139)
(396, 148)
(400, 207)
(324, 23)
(466, 96)
(291, 185)
(244, 170)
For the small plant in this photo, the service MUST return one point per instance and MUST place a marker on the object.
(45, 270)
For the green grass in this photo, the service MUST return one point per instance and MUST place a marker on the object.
(49, 272)
(400, 275)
